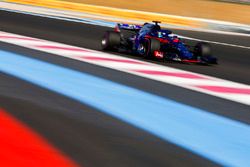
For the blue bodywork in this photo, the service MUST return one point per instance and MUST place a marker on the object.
(180, 47)
(171, 47)
(155, 31)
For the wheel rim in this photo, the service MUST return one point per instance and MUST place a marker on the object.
(141, 49)
(104, 42)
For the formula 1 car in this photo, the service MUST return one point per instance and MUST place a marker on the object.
(152, 42)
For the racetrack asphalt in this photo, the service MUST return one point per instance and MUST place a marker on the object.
(233, 62)
(95, 139)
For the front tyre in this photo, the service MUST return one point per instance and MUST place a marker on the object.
(111, 40)
(151, 45)
(203, 52)
(202, 49)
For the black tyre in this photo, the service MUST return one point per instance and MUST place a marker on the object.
(202, 49)
(111, 40)
(151, 45)
(203, 52)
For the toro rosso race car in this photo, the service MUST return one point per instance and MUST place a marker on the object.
(150, 41)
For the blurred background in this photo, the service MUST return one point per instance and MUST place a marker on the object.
(226, 10)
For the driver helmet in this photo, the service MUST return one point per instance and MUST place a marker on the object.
(159, 34)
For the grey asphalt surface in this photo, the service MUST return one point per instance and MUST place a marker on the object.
(233, 62)
(95, 139)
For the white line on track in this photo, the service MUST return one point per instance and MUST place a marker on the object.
(214, 42)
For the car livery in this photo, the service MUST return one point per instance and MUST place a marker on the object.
(152, 42)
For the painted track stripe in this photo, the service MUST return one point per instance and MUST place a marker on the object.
(61, 48)
(185, 79)
(21, 38)
(110, 59)
(214, 42)
(226, 89)
(199, 131)
(175, 74)
(21, 146)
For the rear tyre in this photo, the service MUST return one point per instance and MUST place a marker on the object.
(111, 40)
(151, 45)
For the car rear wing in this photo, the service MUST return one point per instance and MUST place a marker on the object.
(130, 27)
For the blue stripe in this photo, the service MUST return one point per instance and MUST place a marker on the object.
(217, 138)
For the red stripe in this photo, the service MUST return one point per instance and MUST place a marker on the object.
(22, 147)
(61, 48)
(222, 89)
(174, 74)
(22, 38)
(110, 59)
(190, 61)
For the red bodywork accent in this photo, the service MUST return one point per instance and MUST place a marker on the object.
(117, 29)
(158, 54)
(160, 39)
(176, 40)
(190, 61)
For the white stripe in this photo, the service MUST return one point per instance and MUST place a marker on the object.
(214, 42)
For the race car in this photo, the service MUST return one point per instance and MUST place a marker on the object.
(152, 42)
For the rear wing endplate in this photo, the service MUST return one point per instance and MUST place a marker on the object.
(131, 27)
